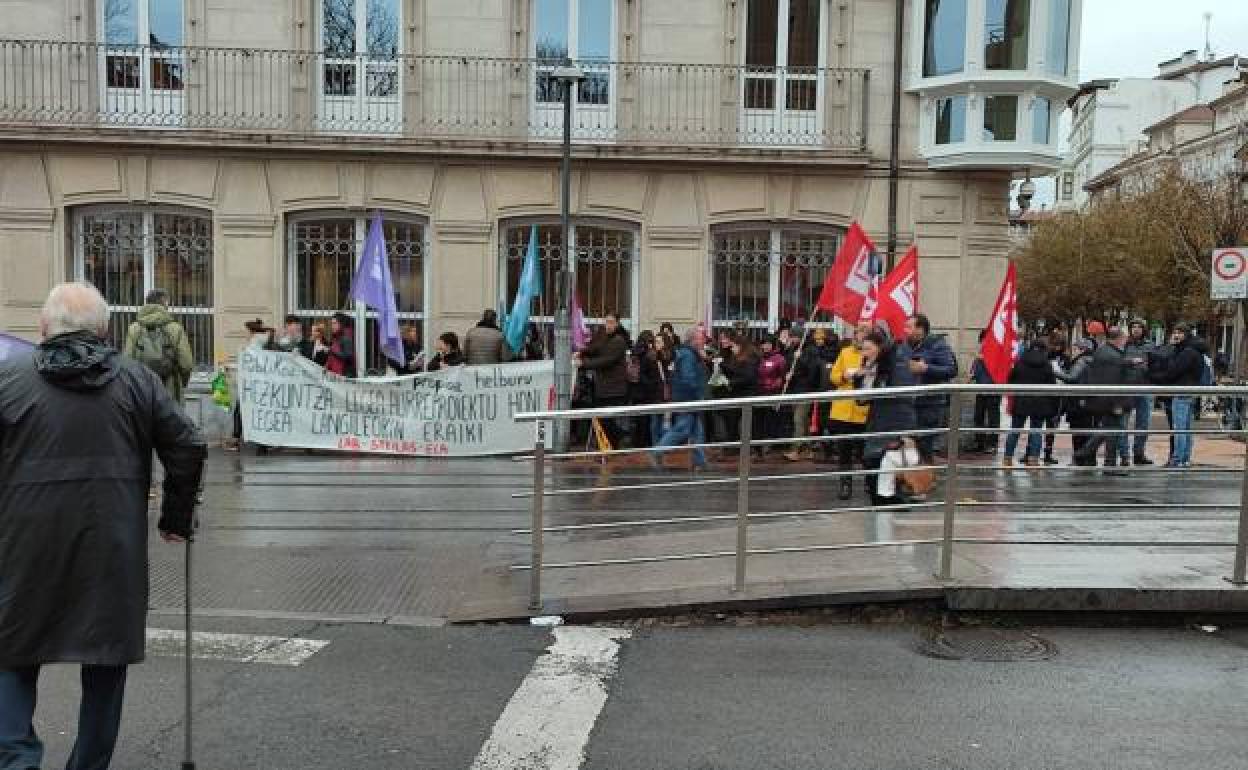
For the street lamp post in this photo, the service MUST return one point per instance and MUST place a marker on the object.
(568, 76)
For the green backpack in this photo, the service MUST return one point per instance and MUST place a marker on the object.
(154, 348)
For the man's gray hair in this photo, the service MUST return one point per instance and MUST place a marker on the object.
(690, 334)
(74, 307)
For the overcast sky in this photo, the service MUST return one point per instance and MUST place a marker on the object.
(1123, 38)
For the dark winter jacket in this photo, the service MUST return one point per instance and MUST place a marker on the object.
(1187, 367)
(942, 366)
(1109, 367)
(742, 374)
(888, 414)
(78, 425)
(440, 361)
(606, 358)
(1034, 368)
(810, 374)
(1143, 350)
(649, 386)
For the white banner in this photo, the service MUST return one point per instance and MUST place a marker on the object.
(289, 401)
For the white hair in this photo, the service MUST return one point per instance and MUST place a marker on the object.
(74, 307)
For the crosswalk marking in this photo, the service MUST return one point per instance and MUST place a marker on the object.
(234, 648)
(547, 722)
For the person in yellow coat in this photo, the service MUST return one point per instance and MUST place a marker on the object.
(847, 416)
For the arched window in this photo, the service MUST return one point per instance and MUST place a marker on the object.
(606, 258)
(762, 274)
(323, 252)
(128, 251)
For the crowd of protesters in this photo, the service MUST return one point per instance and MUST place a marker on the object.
(613, 369)
(1116, 424)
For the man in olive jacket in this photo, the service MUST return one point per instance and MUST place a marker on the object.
(78, 425)
(159, 342)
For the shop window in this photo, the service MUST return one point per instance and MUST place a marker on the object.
(127, 252)
(762, 275)
(323, 253)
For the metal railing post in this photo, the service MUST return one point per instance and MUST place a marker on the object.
(953, 440)
(743, 495)
(1238, 575)
(539, 501)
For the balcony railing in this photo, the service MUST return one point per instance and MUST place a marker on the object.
(426, 98)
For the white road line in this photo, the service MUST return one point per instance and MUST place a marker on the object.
(547, 722)
(234, 648)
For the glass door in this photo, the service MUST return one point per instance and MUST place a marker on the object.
(580, 31)
(780, 89)
(142, 62)
(360, 74)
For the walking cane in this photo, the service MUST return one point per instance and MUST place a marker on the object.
(188, 761)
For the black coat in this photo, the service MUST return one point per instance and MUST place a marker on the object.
(888, 414)
(742, 374)
(1187, 367)
(607, 358)
(78, 424)
(1034, 368)
(1109, 367)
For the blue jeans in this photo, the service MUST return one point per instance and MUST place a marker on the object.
(1143, 408)
(686, 426)
(99, 718)
(1181, 406)
(1034, 440)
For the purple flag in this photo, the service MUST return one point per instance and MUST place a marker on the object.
(372, 286)
(580, 330)
(12, 346)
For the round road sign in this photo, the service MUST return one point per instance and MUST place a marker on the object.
(1230, 265)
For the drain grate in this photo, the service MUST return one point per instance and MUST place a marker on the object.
(986, 645)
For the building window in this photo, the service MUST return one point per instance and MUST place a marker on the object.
(1059, 37)
(127, 252)
(1068, 186)
(576, 30)
(761, 275)
(1042, 114)
(782, 54)
(606, 259)
(1000, 118)
(360, 40)
(142, 60)
(1006, 27)
(944, 37)
(951, 120)
(323, 252)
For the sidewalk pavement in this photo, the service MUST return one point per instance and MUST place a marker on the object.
(420, 541)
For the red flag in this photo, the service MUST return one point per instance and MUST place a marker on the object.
(1001, 341)
(848, 282)
(898, 294)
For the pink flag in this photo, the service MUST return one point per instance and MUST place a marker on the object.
(580, 331)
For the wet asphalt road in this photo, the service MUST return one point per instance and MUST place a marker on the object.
(713, 697)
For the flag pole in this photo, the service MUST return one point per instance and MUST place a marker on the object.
(793, 366)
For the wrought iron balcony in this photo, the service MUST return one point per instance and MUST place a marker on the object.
(271, 94)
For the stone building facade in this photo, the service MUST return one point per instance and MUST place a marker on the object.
(232, 152)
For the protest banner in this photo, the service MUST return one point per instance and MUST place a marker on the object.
(289, 401)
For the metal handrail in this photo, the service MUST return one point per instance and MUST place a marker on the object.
(952, 393)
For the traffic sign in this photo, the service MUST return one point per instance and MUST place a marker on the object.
(1230, 273)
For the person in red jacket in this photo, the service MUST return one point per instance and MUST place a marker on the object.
(341, 358)
(769, 421)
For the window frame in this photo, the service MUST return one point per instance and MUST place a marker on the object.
(590, 119)
(353, 112)
(506, 294)
(775, 272)
(1028, 38)
(147, 214)
(965, 102)
(984, 113)
(780, 75)
(361, 313)
(924, 38)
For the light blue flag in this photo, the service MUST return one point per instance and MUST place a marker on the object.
(530, 288)
(373, 287)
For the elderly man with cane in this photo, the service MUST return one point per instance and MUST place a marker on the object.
(78, 425)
